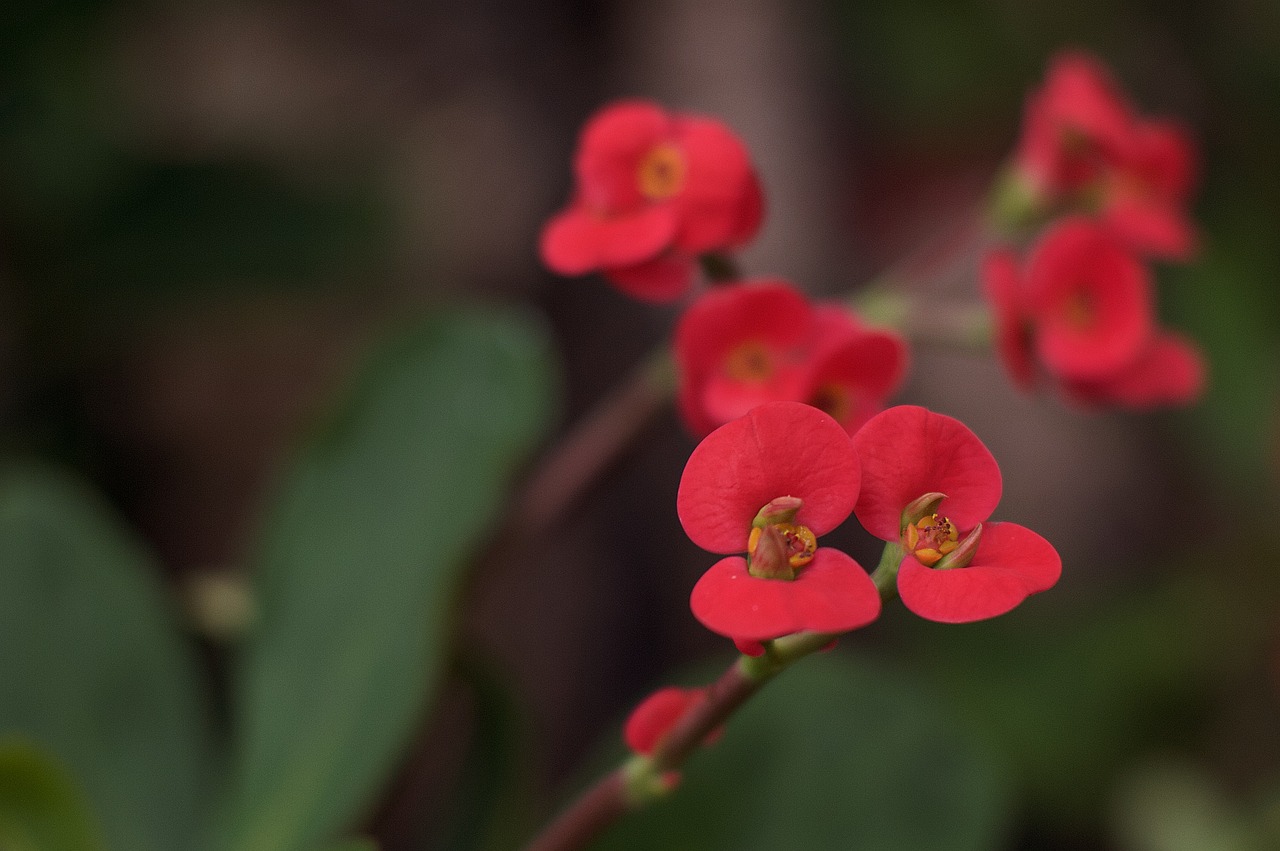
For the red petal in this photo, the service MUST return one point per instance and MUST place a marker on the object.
(657, 714)
(779, 449)
(1081, 97)
(664, 278)
(720, 201)
(1152, 227)
(576, 241)
(1074, 125)
(1011, 564)
(1003, 290)
(613, 143)
(772, 314)
(830, 594)
(1091, 301)
(726, 398)
(866, 368)
(907, 452)
(1170, 372)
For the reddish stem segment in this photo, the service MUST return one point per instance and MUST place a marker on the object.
(595, 442)
(588, 817)
(633, 785)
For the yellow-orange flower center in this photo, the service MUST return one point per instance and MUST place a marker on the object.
(800, 542)
(930, 538)
(662, 172)
(749, 361)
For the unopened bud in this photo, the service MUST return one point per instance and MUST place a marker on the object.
(918, 508)
(771, 556)
(780, 510)
(964, 552)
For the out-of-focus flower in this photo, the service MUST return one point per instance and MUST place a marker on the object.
(654, 190)
(928, 485)
(742, 345)
(1083, 312)
(769, 484)
(1084, 149)
(657, 714)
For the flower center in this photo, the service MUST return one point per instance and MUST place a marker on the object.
(749, 361)
(661, 173)
(1079, 310)
(834, 400)
(776, 546)
(798, 541)
(930, 538)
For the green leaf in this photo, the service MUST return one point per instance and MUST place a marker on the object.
(94, 666)
(360, 565)
(358, 844)
(835, 754)
(40, 807)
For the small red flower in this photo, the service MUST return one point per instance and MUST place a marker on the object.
(954, 569)
(1084, 148)
(657, 714)
(1083, 311)
(770, 483)
(654, 191)
(742, 345)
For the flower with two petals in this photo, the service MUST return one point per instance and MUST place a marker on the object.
(769, 484)
(654, 191)
(745, 344)
(1083, 311)
(1084, 148)
(929, 485)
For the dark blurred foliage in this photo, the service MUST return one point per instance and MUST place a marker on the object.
(210, 212)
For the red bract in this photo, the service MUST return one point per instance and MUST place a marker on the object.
(654, 191)
(1083, 311)
(908, 453)
(768, 484)
(1083, 148)
(657, 714)
(742, 345)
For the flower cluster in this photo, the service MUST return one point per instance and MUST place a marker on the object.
(772, 482)
(1080, 308)
(789, 396)
(1085, 149)
(745, 344)
(655, 190)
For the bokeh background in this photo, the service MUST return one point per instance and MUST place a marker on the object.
(211, 214)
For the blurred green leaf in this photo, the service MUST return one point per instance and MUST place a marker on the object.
(1071, 696)
(359, 844)
(40, 807)
(94, 666)
(835, 754)
(1173, 807)
(359, 566)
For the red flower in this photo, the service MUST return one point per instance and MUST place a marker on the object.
(654, 191)
(769, 484)
(742, 345)
(954, 569)
(1084, 312)
(657, 714)
(1083, 147)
